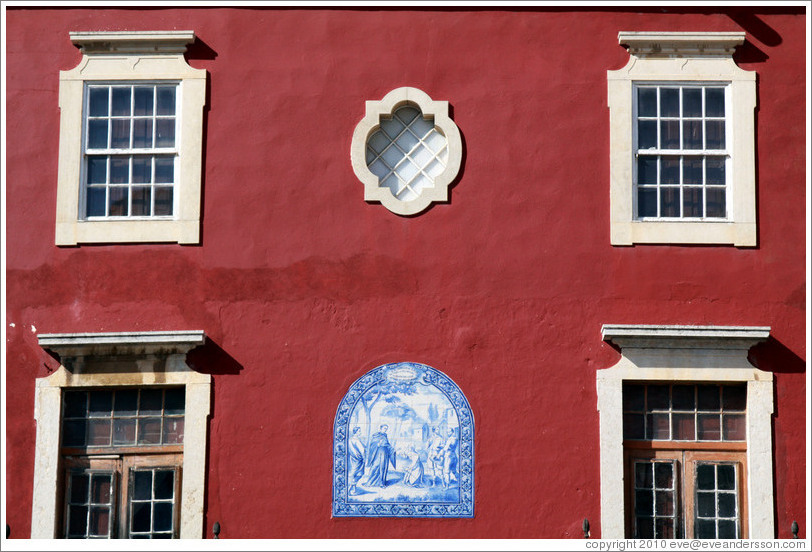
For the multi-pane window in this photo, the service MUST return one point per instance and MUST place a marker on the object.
(122, 450)
(130, 150)
(685, 445)
(407, 153)
(681, 151)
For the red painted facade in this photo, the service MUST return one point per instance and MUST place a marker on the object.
(302, 287)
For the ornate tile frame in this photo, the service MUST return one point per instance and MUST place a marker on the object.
(342, 507)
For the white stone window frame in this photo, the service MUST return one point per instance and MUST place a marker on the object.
(683, 58)
(375, 110)
(108, 360)
(674, 354)
(124, 57)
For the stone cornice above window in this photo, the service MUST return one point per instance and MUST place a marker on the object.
(684, 337)
(668, 44)
(130, 42)
(122, 343)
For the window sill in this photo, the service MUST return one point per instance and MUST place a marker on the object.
(739, 234)
(127, 231)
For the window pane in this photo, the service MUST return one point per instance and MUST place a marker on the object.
(173, 431)
(118, 202)
(78, 488)
(708, 427)
(98, 432)
(682, 397)
(73, 433)
(692, 170)
(708, 397)
(715, 135)
(142, 133)
(99, 521)
(692, 102)
(645, 528)
(706, 504)
(727, 504)
(726, 474)
(705, 476)
(669, 102)
(657, 398)
(75, 403)
(166, 100)
(162, 516)
(96, 169)
(646, 134)
(142, 169)
(714, 102)
(149, 431)
(714, 170)
(97, 134)
(716, 203)
(633, 426)
(141, 202)
(140, 521)
(100, 488)
(96, 202)
(121, 101)
(734, 397)
(692, 202)
(175, 400)
(646, 202)
(120, 133)
(669, 170)
(119, 170)
(646, 170)
(164, 169)
(124, 432)
(100, 403)
(143, 100)
(733, 426)
(151, 401)
(163, 201)
(126, 402)
(98, 102)
(643, 475)
(683, 428)
(658, 426)
(164, 133)
(647, 102)
(727, 529)
(164, 484)
(142, 484)
(643, 503)
(669, 134)
(664, 503)
(77, 525)
(705, 529)
(669, 202)
(665, 528)
(663, 475)
(692, 134)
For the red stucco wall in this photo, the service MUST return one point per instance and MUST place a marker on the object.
(303, 287)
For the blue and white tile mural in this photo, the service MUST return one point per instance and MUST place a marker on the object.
(403, 446)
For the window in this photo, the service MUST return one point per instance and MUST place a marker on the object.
(684, 453)
(120, 453)
(130, 140)
(685, 434)
(682, 141)
(406, 151)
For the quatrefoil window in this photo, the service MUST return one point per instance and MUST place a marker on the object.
(406, 151)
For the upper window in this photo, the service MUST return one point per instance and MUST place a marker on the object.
(406, 151)
(679, 174)
(130, 140)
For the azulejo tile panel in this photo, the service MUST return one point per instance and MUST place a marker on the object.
(403, 446)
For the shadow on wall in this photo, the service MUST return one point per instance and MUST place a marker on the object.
(774, 356)
(210, 358)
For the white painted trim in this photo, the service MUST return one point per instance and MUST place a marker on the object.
(683, 57)
(131, 56)
(370, 124)
(88, 369)
(686, 353)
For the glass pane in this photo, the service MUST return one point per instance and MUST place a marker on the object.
(714, 102)
(707, 397)
(140, 517)
(73, 433)
(164, 484)
(175, 400)
(98, 432)
(669, 134)
(98, 102)
(166, 100)
(657, 398)
(96, 202)
(162, 516)
(151, 401)
(705, 477)
(669, 202)
(77, 524)
(683, 428)
(734, 397)
(664, 503)
(665, 528)
(715, 135)
(97, 134)
(633, 426)
(647, 102)
(142, 169)
(692, 202)
(706, 504)
(715, 203)
(726, 474)
(646, 170)
(647, 202)
(163, 201)
(708, 427)
(99, 521)
(173, 431)
(149, 431)
(727, 529)
(733, 427)
(645, 528)
(126, 402)
(142, 484)
(164, 133)
(120, 133)
(143, 100)
(142, 201)
(643, 475)
(118, 202)
(124, 432)
(75, 403)
(164, 169)
(658, 426)
(119, 170)
(669, 102)
(692, 170)
(646, 134)
(78, 488)
(96, 169)
(714, 170)
(692, 134)
(682, 397)
(691, 102)
(142, 133)
(643, 503)
(162, 536)
(100, 488)
(121, 101)
(663, 475)
(727, 504)
(669, 170)
(100, 403)
(705, 529)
